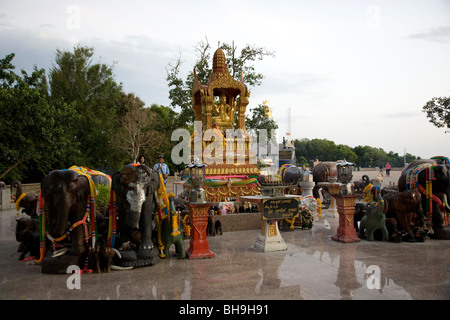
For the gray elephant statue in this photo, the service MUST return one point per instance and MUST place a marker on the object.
(415, 176)
(134, 186)
(375, 219)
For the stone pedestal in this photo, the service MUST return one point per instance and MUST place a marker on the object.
(307, 188)
(273, 209)
(5, 203)
(199, 246)
(346, 231)
(270, 239)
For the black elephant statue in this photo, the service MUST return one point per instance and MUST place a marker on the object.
(437, 174)
(66, 195)
(27, 201)
(291, 174)
(134, 186)
(27, 234)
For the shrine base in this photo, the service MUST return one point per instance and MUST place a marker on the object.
(270, 239)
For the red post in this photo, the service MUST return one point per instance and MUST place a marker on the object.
(199, 246)
(346, 231)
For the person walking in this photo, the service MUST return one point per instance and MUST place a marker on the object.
(162, 168)
(380, 166)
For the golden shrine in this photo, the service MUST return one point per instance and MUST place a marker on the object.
(220, 105)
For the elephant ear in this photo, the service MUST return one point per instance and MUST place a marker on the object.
(154, 183)
(117, 184)
(44, 186)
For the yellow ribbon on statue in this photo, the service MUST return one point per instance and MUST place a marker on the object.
(18, 201)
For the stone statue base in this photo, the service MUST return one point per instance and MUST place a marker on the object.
(59, 265)
(270, 239)
(139, 258)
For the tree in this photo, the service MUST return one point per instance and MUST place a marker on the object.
(165, 122)
(95, 94)
(136, 131)
(260, 120)
(438, 112)
(181, 90)
(34, 127)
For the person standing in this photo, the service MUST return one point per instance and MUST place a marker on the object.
(162, 168)
(141, 159)
(388, 169)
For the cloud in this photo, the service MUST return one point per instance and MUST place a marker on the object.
(439, 34)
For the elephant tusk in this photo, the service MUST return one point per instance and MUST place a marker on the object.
(320, 194)
(117, 252)
(447, 206)
(114, 267)
(60, 252)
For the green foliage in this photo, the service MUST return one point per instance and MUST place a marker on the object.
(260, 120)
(364, 156)
(438, 112)
(95, 94)
(165, 122)
(34, 127)
(103, 195)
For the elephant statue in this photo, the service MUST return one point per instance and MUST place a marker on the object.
(27, 201)
(321, 172)
(134, 186)
(66, 195)
(360, 185)
(406, 208)
(71, 217)
(375, 219)
(27, 233)
(416, 175)
(170, 231)
(291, 174)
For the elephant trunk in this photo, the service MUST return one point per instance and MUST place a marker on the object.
(58, 218)
(18, 185)
(135, 198)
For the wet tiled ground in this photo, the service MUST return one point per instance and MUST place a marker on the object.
(313, 267)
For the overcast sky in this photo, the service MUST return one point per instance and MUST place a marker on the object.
(354, 72)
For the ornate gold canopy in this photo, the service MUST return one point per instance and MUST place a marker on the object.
(232, 96)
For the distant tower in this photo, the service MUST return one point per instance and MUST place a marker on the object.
(289, 127)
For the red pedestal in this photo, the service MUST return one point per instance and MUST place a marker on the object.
(199, 246)
(346, 231)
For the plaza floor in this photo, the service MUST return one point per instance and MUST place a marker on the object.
(313, 267)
